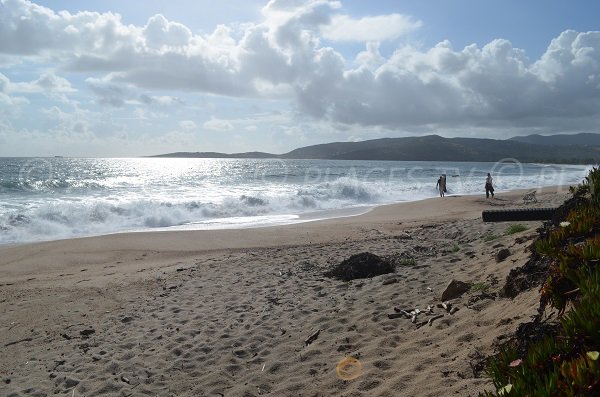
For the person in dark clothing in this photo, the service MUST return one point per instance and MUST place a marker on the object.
(489, 188)
(441, 185)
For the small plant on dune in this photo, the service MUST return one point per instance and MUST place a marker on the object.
(593, 183)
(515, 228)
(407, 262)
(567, 364)
(490, 237)
(455, 248)
(483, 287)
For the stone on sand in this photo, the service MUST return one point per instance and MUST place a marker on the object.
(455, 289)
(502, 254)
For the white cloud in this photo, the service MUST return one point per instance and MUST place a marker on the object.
(108, 93)
(218, 125)
(161, 100)
(187, 125)
(491, 86)
(47, 83)
(6, 88)
(376, 28)
(159, 34)
(282, 57)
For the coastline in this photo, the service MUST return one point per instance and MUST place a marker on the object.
(191, 311)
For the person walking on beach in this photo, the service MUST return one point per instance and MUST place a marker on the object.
(441, 185)
(489, 188)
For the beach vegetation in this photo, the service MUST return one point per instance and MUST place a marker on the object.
(490, 237)
(455, 248)
(483, 287)
(564, 362)
(406, 262)
(515, 228)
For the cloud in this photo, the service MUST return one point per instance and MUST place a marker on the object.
(217, 125)
(108, 93)
(282, 57)
(47, 83)
(188, 125)
(495, 85)
(117, 94)
(377, 28)
(7, 87)
(161, 100)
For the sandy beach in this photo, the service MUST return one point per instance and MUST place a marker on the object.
(227, 312)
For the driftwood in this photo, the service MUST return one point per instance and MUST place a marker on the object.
(395, 315)
(18, 341)
(405, 312)
(434, 318)
(414, 314)
(422, 323)
(313, 337)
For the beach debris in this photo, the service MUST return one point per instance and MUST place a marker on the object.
(313, 337)
(434, 318)
(429, 289)
(455, 289)
(502, 254)
(448, 307)
(404, 312)
(395, 315)
(389, 281)
(18, 341)
(414, 315)
(363, 265)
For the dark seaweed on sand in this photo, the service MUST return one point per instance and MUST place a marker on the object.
(363, 265)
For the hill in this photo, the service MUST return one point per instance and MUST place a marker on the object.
(583, 139)
(436, 148)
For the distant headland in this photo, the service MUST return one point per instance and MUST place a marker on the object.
(581, 148)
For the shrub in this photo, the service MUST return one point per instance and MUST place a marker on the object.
(483, 287)
(407, 262)
(490, 237)
(566, 364)
(515, 228)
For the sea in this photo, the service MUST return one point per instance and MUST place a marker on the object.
(44, 199)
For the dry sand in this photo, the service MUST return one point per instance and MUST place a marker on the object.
(227, 313)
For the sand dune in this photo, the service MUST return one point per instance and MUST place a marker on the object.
(227, 313)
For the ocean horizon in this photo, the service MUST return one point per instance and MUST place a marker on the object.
(44, 199)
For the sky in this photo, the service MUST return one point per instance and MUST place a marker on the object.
(140, 77)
